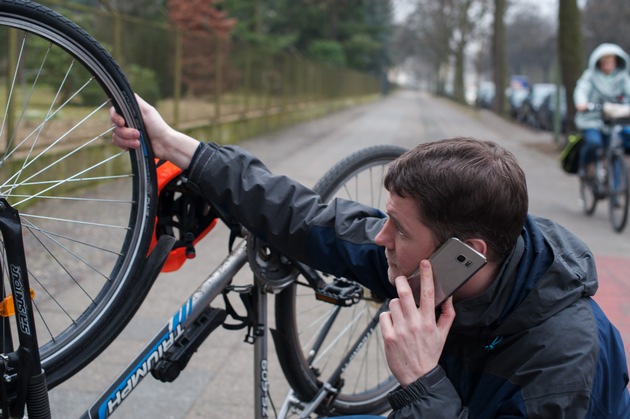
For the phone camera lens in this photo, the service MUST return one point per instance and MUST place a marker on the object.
(461, 258)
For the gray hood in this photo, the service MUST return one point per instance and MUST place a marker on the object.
(609, 49)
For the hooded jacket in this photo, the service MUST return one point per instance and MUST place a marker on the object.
(534, 344)
(594, 86)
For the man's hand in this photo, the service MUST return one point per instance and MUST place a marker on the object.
(414, 340)
(167, 143)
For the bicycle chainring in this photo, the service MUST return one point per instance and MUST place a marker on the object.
(272, 269)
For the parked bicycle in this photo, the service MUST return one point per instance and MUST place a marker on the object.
(607, 176)
(86, 229)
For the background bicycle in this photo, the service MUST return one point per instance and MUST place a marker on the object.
(607, 176)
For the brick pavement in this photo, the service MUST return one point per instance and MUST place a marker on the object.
(613, 294)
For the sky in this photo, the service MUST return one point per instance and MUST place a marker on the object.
(402, 8)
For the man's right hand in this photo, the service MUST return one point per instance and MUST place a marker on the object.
(167, 143)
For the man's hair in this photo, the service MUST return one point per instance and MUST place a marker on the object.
(465, 188)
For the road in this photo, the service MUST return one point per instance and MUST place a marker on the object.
(218, 382)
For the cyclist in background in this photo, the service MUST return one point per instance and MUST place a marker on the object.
(605, 80)
(522, 338)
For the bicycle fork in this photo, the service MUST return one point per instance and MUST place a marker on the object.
(21, 370)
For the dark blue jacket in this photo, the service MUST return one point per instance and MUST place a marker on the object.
(535, 344)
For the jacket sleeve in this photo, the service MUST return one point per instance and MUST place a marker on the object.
(582, 88)
(335, 237)
(432, 396)
(626, 89)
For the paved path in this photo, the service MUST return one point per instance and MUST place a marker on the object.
(218, 382)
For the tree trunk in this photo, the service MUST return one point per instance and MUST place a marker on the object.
(459, 93)
(570, 50)
(499, 64)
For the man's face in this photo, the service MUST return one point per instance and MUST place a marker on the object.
(406, 239)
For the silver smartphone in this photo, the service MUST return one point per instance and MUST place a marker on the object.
(453, 263)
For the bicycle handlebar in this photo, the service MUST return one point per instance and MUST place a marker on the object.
(611, 111)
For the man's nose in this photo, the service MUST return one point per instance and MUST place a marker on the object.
(382, 237)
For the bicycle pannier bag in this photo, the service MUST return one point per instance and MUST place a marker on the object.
(570, 156)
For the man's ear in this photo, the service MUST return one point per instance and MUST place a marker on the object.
(479, 245)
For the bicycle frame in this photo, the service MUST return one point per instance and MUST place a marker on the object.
(195, 320)
(182, 322)
(172, 346)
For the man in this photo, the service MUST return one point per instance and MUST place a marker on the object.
(522, 338)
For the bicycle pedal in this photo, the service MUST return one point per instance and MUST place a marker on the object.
(340, 292)
(174, 361)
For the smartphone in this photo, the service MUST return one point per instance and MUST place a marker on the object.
(453, 263)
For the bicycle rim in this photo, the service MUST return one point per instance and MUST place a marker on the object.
(300, 318)
(85, 205)
(619, 193)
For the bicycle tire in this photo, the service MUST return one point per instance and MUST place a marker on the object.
(358, 173)
(618, 193)
(588, 194)
(87, 207)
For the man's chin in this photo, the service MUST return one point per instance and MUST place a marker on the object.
(389, 276)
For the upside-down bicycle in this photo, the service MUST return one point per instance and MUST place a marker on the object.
(85, 235)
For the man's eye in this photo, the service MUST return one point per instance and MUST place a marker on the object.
(400, 232)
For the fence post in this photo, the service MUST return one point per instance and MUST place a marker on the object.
(248, 91)
(177, 79)
(119, 56)
(219, 80)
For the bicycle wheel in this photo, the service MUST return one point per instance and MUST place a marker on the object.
(618, 191)
(86, 207)
(301, 319)
(588, 192)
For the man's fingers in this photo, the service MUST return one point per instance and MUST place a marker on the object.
(427, 290)
(125, 144)
(116, 119)
(405, 294)
(447, 315)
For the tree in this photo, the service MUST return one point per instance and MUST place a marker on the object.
(467, 15)
(354, 32)
(529, 54)
(499, 62)
(443, 29)
(570, 51)
(606, 21)
(426, 36)
(206, 34)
